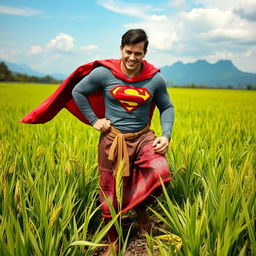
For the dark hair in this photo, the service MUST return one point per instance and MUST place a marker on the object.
(134, 36)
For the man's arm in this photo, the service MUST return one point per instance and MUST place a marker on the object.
(87, 86)
(166, 109)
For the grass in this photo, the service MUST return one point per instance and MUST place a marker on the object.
(49, 187)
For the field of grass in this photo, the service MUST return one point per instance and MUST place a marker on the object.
(49, 179)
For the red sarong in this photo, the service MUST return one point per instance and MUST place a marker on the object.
(146, 168)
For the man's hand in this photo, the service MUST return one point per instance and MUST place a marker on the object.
(161, 145)
(102, 125)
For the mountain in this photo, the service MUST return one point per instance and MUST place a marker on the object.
(220, 74)
(22, 69)
(25, 69)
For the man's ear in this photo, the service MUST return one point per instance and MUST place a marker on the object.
(121, 48)
(145, 52)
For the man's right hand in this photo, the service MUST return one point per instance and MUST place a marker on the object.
(102, 125)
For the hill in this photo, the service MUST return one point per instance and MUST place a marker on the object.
(27, 70)
(7, 75)
(220, 74)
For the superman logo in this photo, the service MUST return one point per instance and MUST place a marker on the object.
(130, 97)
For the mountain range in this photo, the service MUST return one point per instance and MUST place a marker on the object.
(220, 74)
(25, 69)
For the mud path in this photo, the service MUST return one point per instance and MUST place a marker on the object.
(137, 243)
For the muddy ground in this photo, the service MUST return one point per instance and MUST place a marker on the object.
(137, 243)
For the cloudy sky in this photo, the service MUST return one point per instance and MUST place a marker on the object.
(57, 36)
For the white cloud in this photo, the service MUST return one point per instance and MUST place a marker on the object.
(219, 4)
(163, 40)
(221, 55)
(62, 42)
(247, 10)
(158, 17)
(212, 24)
(90, 47)
(251, 52)
(18, 11)
(36, 49)
(222, 35)
(5, 55)
(178, 4)
(203, 18)
(132, 9)
(55, 51)
(124, 8)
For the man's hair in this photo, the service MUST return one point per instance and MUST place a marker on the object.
(134, 36)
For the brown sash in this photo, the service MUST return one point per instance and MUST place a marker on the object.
(118, 150)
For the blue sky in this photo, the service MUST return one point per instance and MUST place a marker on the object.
(57, 36)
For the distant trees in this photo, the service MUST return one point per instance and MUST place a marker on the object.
(203, 86)
(191, 85)
(7, 75)
(250, 87)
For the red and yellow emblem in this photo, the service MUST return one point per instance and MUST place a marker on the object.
(130, 97)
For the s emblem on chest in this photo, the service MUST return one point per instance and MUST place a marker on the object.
(130, 97)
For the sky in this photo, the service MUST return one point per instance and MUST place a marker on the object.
(58, 36)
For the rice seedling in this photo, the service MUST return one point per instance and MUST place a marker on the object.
(49, 203)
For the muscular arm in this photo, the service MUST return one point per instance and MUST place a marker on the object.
(88, 85)
(166, 109)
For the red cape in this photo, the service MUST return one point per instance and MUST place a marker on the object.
(62, 97)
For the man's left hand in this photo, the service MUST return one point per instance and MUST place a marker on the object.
(161, 145)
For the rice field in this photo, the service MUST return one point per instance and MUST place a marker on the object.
(49, 203)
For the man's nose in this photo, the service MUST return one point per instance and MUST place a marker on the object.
(132, 56)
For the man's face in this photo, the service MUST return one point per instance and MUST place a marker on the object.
(132, 56)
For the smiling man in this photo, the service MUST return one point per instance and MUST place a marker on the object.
(129, 99)
(117, 97)
(132, 56)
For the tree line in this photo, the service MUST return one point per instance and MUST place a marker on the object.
(7, 75)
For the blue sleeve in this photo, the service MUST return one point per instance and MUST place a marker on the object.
(87, 86)
(165, 106)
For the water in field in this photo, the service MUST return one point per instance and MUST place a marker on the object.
(49, 179)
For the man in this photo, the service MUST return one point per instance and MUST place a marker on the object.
(125, 134)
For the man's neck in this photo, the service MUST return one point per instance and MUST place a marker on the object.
(131, 73)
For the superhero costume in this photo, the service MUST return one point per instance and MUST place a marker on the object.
(147, 166)
(127, 106)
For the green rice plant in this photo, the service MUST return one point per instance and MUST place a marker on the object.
(188, 223)
(49, 182)
(122, 241)
(102, 232)
(98, 236)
